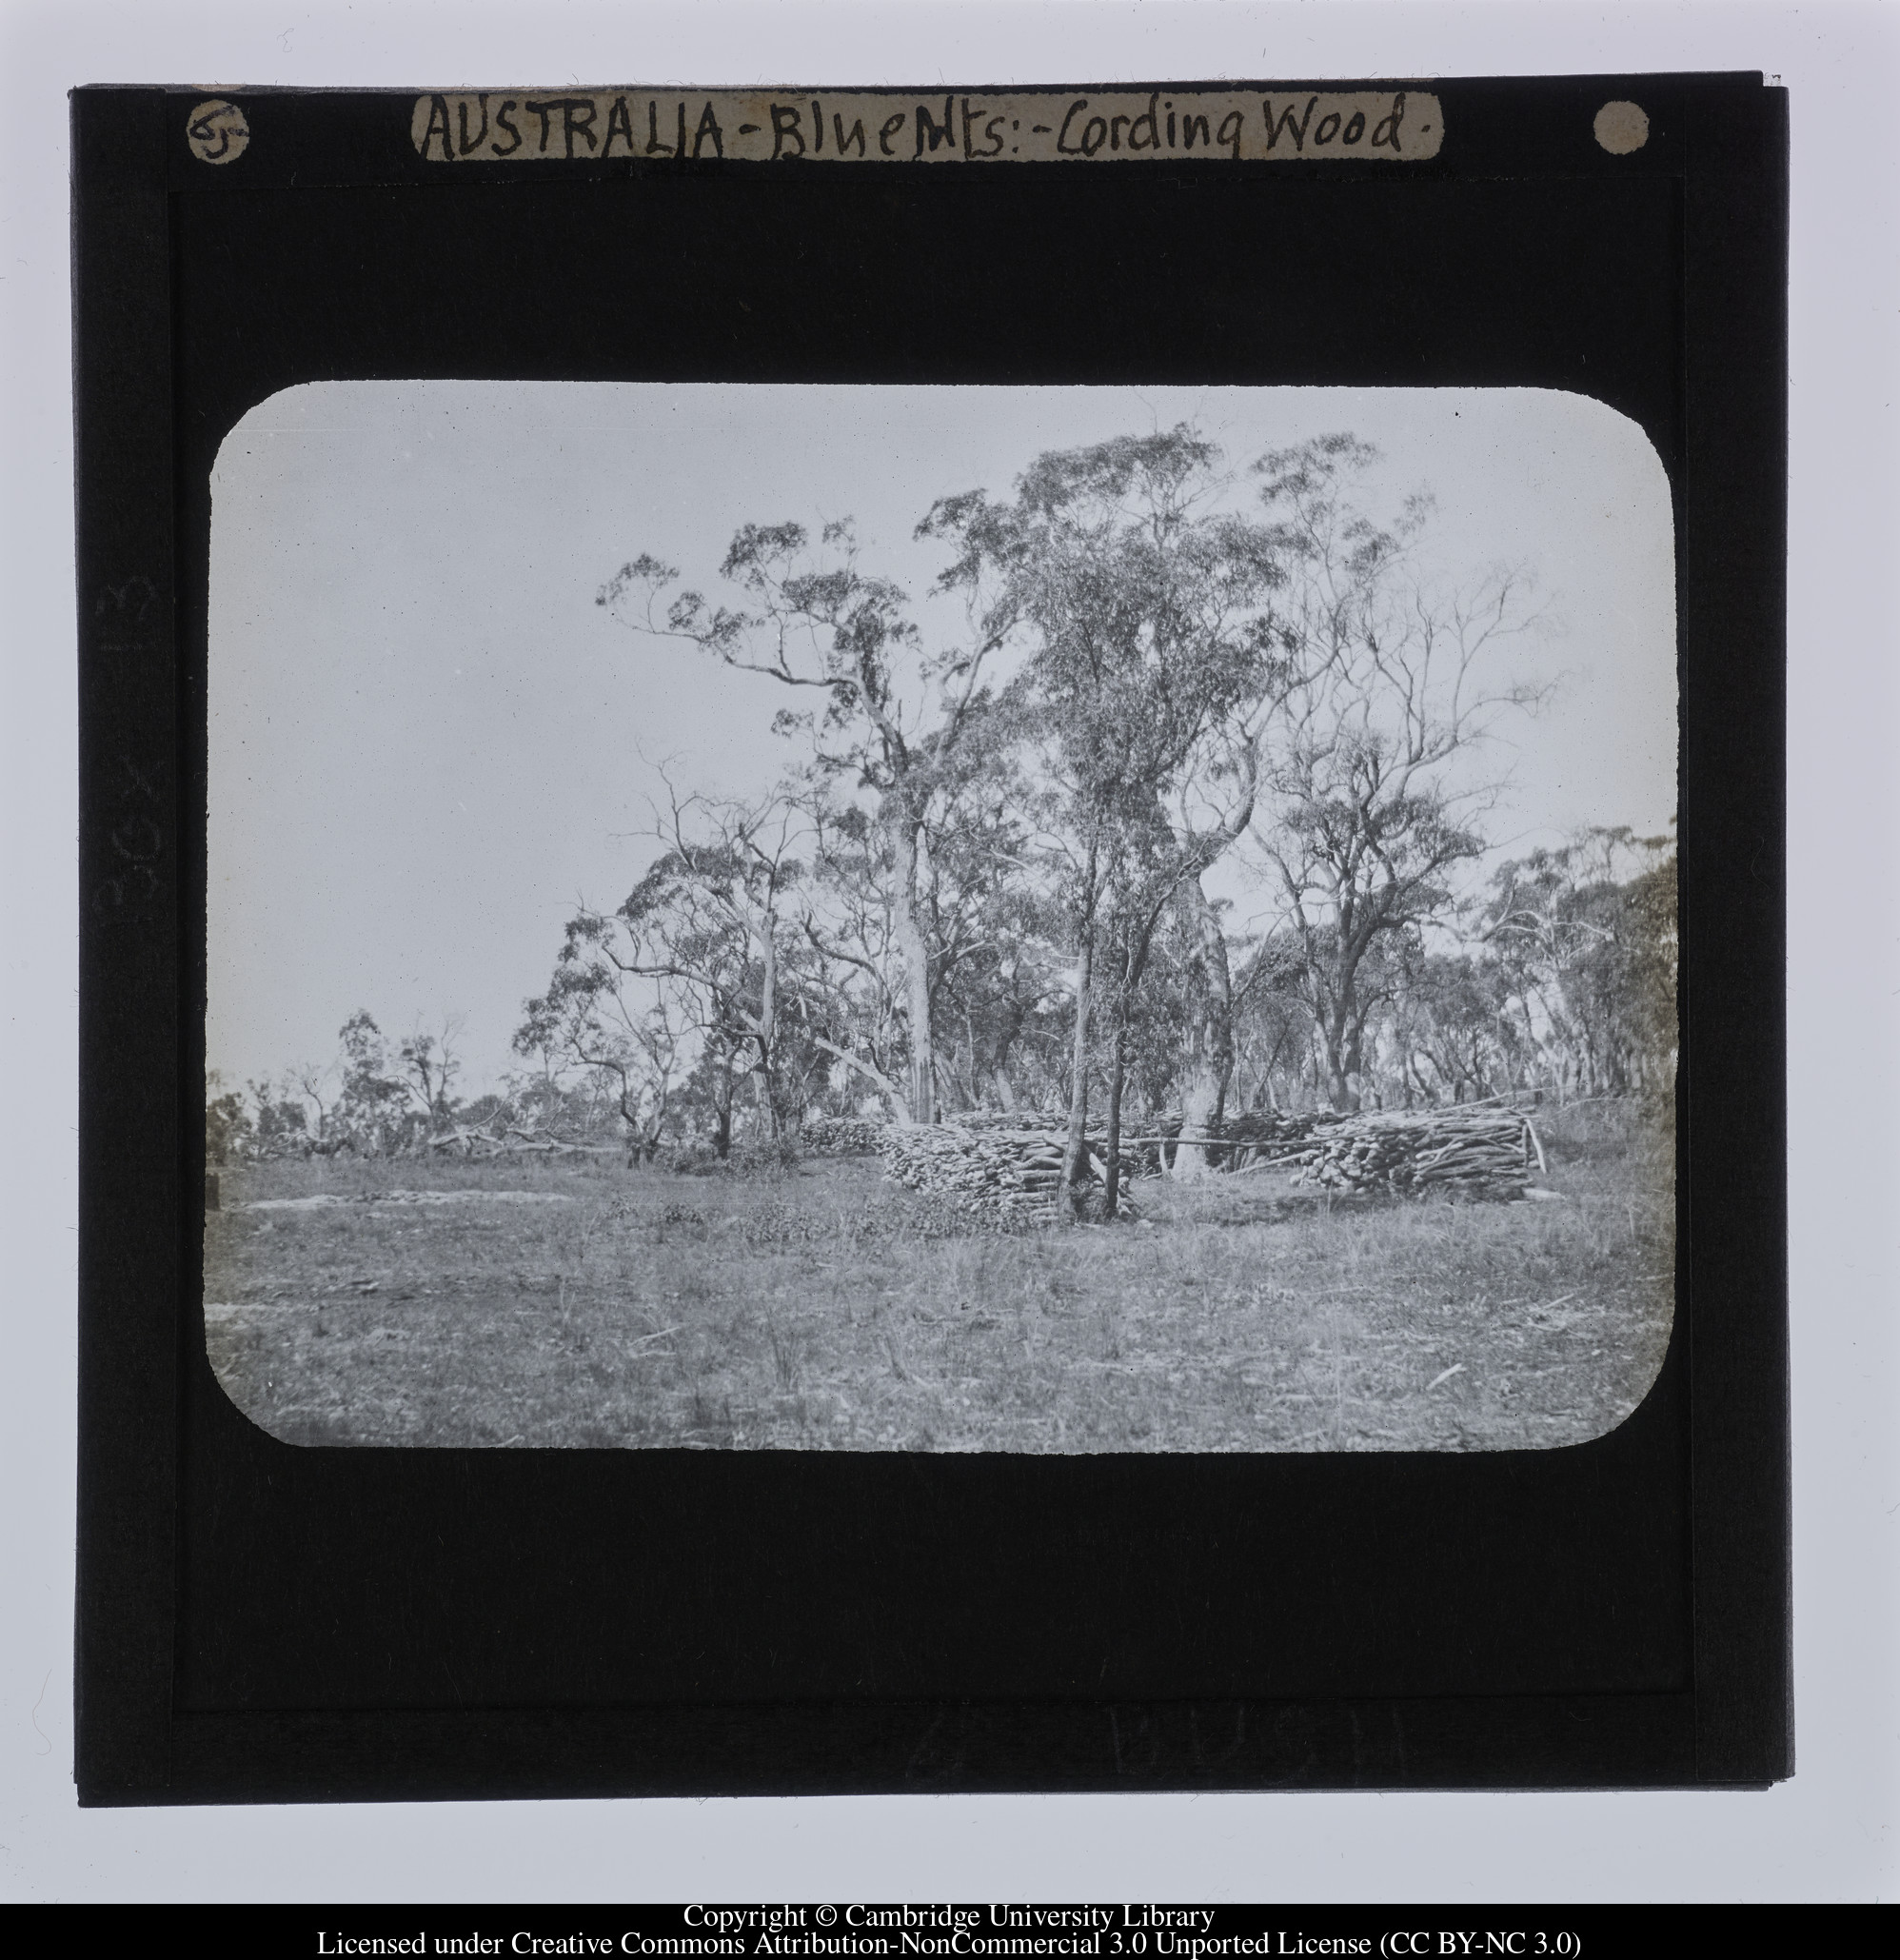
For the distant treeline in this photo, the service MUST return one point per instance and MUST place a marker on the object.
(1568, 989)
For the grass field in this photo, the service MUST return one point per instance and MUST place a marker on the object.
(820, 1308)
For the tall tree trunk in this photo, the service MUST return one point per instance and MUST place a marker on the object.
(915, 953)
(768, 1025)
(1075, 1155)
(1134, 964)
(1116, 1071)
(722, 1115)
(1213, 1038)
(1339, 1043)
(1008, 1031)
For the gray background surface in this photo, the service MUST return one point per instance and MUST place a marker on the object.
(1827, 1835)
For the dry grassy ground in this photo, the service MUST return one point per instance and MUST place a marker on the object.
(820, 1308)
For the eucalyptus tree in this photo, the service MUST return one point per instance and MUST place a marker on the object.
(228, 1124)
(1150, 653)
(429, 1067)
(896, 717)
(599, 1018)
(1272, 1033)
(700, 966)
(971, 891)
(1581, 943)
(1372, 800)
(369, 1108)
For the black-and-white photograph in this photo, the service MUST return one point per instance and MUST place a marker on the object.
(1055, 919)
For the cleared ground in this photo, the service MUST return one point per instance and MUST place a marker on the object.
(819, 1308)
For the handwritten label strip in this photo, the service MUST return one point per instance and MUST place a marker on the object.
(1397, 125)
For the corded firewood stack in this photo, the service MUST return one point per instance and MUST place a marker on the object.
(840, 1136)
(990, 1165)
(514, 1142)
(1007, 1165)
(1446, 1153)
(1265, 1136)
(1234, 1142)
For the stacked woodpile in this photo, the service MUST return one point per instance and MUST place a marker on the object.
(1002, 1166)
(1007, 1166)
(1264, 1136)
(1449, 1153)
(514, 1142)
(1232, 1144)
(840, 1136)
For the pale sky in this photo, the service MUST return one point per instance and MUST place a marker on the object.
(426, 739)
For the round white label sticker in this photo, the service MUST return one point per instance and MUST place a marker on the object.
(217, 132)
